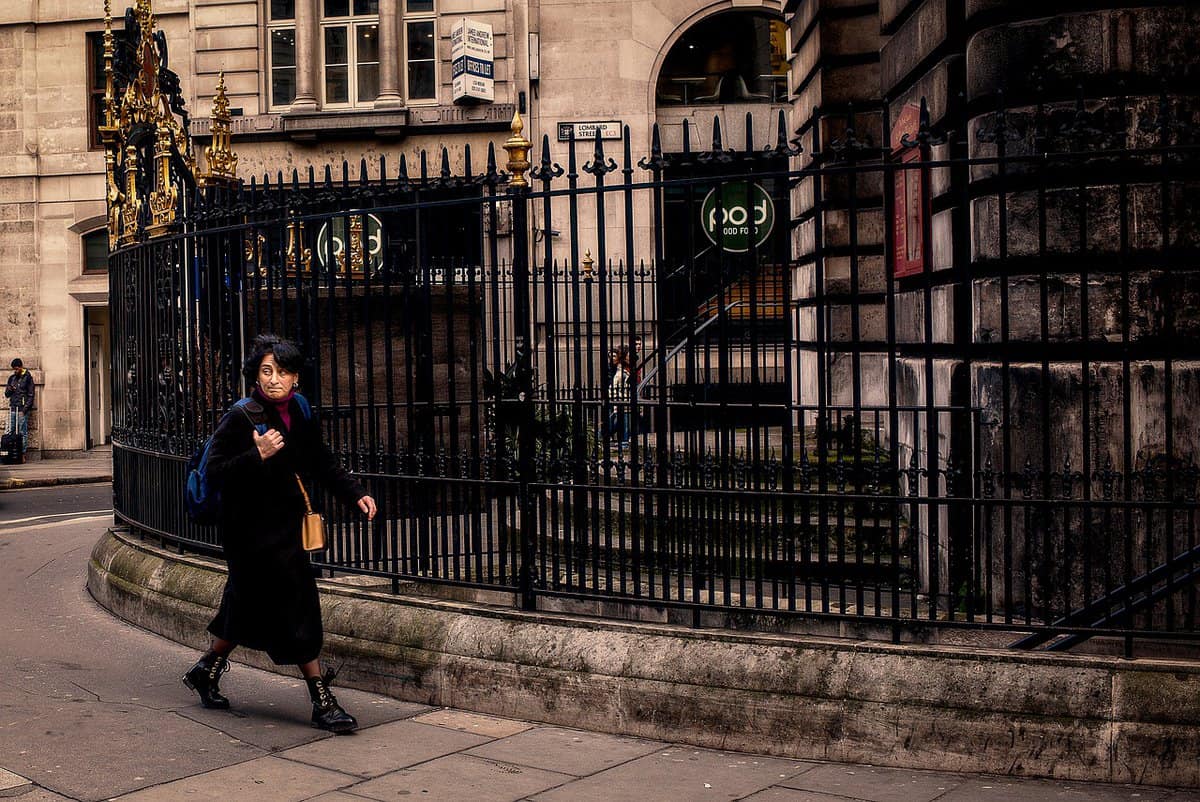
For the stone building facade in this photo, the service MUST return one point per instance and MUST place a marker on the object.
(312, 82)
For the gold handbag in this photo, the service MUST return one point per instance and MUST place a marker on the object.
(312, 529)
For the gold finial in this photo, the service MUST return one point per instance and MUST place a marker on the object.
(588, 266)
(221, 161)
(518, 152)
(109, 126)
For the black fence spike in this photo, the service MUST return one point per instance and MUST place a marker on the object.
(345, 173)
(362, 171)
(716, 134)
(328, 177)
(312, 176)
(383, 179)
(687, 138)
(402, 171)
(467, 161)
(445, 164)
(749, 133)
(424, 167)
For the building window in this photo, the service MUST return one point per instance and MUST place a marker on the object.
(95, 251)
(281, 40)
(350, 51)
(735, 57)
(420, 50)
(95, 82)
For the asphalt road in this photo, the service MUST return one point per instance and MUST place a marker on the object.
(90, 707)
(36, 505)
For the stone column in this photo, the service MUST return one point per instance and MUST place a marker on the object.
(307, 57)
(389, 56)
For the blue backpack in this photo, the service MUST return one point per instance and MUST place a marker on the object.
(202, 499)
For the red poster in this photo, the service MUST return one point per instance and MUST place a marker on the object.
(909, 207)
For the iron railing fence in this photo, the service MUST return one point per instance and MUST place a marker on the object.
(932, 383)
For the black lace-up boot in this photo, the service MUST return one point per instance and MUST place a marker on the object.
(327, 713)
(204, 678)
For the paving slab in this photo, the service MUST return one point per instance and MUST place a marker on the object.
(565, 750)
(12, 784)
(378, 750)
(38, 795)
(137, 747)
(780, 794)
(875, 784)
(277, 714)
(267, 778)
(462, 777)
(681, 773)
(1000, 789)
(475, 723)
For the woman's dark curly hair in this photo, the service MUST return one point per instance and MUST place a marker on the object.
(287, 356)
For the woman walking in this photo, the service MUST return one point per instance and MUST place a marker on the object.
(270, 601)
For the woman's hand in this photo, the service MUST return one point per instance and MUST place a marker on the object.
(367, 505)
(268, 444)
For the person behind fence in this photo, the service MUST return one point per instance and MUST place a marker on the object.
(270, 601)
(19, 392)
(618, 396)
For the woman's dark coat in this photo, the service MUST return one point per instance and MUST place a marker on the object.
(270, 600)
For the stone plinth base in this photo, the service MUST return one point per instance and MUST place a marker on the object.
(953, 709)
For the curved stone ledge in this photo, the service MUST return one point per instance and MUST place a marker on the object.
(950, 708)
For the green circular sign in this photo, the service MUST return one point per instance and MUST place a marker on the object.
(366, 247)
(747, 215)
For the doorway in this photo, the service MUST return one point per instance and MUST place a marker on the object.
(97, 376)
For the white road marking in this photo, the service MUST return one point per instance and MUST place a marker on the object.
(52, 515)
(53, 524)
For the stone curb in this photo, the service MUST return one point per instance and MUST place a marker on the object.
(955, 709)
(16, 483)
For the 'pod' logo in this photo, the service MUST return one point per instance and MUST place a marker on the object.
(746, 215)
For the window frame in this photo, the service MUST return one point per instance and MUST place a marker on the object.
(102, 235)
(351, 23)
(95, 52)
(417, 17)
(272, 26)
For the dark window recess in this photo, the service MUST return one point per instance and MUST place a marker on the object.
(95, 55)
(422, 55)
(95, 251)
(283, 66)
(735, 57)
(450, 235)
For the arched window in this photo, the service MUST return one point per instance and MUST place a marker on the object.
(734, 57)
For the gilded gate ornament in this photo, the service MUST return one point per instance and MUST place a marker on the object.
(149, 163)
(220, 160)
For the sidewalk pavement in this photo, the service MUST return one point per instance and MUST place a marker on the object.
(89, 466)
(444, 754)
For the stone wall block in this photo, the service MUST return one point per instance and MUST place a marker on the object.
(914, 40)
(1153, 44)
(1057, 557)
(1150, 294)
(1098, 210)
